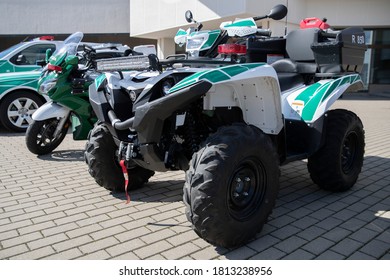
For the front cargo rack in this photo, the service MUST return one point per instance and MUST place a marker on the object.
(152, 63)
(127, 63)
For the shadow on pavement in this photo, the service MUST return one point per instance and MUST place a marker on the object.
(66, 155)
(156, 191)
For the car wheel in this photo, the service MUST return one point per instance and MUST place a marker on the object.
(17, 108)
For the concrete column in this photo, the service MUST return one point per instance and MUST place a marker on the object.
(165, 47)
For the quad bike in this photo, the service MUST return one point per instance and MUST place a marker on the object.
(66, 82)
(233, 40)
(201, 47)
(230, 128)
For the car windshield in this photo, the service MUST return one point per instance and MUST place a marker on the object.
(70, 44)
(9, 50)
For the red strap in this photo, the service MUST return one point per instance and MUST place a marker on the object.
(126, 175)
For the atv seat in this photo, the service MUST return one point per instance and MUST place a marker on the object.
(301, 58)
(288, 75)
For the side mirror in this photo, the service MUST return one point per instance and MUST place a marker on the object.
(41, 63)
(21, 60)
(48, 55)
(189, 17)
(278, 12)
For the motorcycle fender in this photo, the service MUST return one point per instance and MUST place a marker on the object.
(50, 110)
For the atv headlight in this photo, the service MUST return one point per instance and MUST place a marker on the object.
(195, 43)
(47, 85)
(167, 85)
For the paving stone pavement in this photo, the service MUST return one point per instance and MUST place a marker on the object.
(50, 208)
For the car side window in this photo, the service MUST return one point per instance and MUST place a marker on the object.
(31, 55)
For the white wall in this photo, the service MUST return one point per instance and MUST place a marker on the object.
(368, 13)
(161, 18)
(64, 16)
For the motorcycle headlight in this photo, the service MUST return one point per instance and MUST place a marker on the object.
(47, 85)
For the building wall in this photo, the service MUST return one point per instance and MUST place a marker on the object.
(64, 16)
(99, 20)
(163, 21)
(367, 13)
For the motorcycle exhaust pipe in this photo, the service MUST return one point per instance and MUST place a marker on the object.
(117, 123)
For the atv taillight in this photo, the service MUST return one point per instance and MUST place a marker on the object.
(54, 67)
(231, 49)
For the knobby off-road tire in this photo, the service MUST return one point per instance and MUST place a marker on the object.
(40, 136)
(231, 185)
(100, 155)
(336, 166)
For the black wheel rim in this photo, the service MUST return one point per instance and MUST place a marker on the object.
(246, 189)
(348, 152)
(46, 135)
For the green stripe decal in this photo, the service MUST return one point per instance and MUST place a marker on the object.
(181, 32)
(317, 93)
(99, 80)
(241, 23)
(215, 75)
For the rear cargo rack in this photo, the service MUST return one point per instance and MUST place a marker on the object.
(341, 51)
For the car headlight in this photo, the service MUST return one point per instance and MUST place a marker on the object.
(47, 85)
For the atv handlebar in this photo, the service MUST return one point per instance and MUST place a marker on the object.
(117, 123)
(264, 32)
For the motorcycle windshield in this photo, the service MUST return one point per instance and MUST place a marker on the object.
(69, 48)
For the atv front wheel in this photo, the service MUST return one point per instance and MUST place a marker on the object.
(40, 138)
(100, 155)
(337, 165)
(231, 185)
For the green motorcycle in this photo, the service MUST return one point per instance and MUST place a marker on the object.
(65, 80)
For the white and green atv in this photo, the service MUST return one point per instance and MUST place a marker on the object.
(231, 127)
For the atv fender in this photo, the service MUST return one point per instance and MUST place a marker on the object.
(252, 87)
(310, 103)
(149, 118)
(258, 99)
(50, 110)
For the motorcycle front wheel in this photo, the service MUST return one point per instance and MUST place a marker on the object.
(40, 137)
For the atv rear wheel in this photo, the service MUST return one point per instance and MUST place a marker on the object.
(40, 138)
(231, 185)
(337, 165)
(100, 155)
